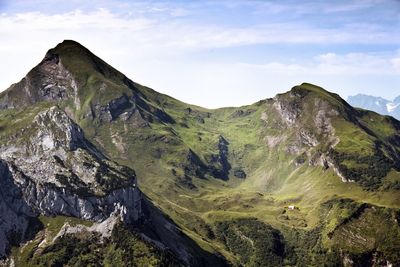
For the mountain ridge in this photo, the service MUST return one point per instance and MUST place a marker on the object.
(377, 104)
(219, 174)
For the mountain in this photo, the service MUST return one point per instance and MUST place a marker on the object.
(65, 195)
(377, 104)
(100, 170)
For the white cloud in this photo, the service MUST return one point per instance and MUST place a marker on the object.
(338, 64)
(356, 64)
(77, 19)
(300, 8)
(157, 50)
(180, 34)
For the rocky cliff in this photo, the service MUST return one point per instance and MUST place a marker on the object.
(49, 168)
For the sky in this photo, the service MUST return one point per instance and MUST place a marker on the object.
(216, 53)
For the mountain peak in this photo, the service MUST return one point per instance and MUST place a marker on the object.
(67, 71)
(306, 88)
(68, 42)
(70, 46)
(66, 48)
(316, 91)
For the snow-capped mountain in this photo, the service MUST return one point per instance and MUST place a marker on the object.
(377, 104)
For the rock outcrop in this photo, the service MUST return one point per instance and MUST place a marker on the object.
(51, 169)
(49, 81)
(16, 214)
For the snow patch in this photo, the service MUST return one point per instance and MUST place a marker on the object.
(391, 106)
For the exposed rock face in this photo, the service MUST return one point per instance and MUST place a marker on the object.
(104, 228)
(325, 161)
(289, 114)
(15, 213)
(53, 150)
(47, 199)
(307, 138)
(117, 106)
(124, 108)
(56, 131)
(323, 121)
(273, 141)
(294, 109)
(291, 109)
(54, 170)
(49, 81)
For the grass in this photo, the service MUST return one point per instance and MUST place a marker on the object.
(272, 182)
(86, 249)
(23, 255)
(353, 140)
(366, 237)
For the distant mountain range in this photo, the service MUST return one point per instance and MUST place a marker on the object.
(377, 104)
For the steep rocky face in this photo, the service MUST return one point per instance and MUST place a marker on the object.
(49, 81)
(53, 150)
(306, 127)
(311, 117)
(22, 200)
(16, 215)
(51, 169)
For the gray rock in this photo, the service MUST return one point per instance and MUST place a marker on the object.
(56, 171)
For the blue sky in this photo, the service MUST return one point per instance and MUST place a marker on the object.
(216, 53)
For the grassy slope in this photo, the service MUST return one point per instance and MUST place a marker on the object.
(87, 249)
(271, 185)
(50, 227)
(305, 187)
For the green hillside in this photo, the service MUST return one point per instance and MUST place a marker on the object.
(228, 176)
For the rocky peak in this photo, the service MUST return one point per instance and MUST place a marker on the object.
(69, 44)
(48, 81)
(78, 81)
(81, 61)
(306, 103)
(57, 77)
